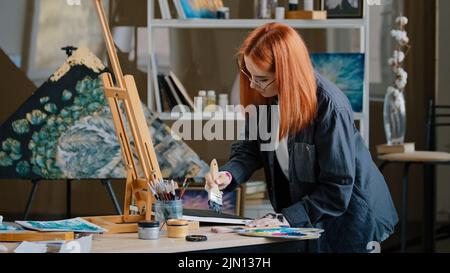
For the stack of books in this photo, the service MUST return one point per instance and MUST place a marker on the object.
(173, 93)
(394, 149)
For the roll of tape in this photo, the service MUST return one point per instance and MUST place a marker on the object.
(196, 238)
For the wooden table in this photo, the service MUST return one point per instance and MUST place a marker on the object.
(427, 159)
(216, 243)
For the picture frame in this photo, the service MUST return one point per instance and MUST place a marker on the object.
(196, 197)
(346, 71)
(343, 9)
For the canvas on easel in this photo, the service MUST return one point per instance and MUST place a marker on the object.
(65, 130)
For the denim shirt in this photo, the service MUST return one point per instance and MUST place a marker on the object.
(333, 182)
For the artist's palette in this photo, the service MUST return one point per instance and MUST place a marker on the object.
(283, 232)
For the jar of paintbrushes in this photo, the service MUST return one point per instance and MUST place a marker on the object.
(169, 203)
(168, 209)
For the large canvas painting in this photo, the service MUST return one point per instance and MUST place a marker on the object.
(346, 70)
(57, 24)
(65, 131)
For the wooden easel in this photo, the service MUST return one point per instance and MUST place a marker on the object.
(124, 95)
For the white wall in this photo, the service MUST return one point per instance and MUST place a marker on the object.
(443, 89)
(12, 19)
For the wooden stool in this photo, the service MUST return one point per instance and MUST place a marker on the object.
(424, 158)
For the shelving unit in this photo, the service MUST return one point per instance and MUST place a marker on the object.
(360, 24)
(254, 23)
(202, 116)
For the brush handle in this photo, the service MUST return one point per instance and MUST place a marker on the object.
(214, 169)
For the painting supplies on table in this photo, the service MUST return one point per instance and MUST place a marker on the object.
(7, 228)
(208, 216)
(165, 190)
(148, 230)
(214, 194)
(169, 204)
(81, 245)
(184, 187)
(78, 225)
(196, 238)
(226, 229)
(168, 209)
(11, 232)
(3, 248)
(283, 232)
(177, 228)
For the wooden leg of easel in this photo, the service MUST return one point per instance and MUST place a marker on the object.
(128, 196)
(31, 198)
(107, 184)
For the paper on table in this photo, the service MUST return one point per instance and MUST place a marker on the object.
(76, 225)
(6, 227)
(283, 232)
(27, 247)
(213, 217)
(82, 245)
(216, 220)
(3, 248)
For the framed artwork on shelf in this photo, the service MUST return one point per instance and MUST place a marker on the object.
(343, 9)
(346, 71)
(196, 197)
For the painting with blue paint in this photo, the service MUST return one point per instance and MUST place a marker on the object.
(346, 71)
(201, 8)
(65, 130)
(76, 225)
(283, 232)
(4, 227)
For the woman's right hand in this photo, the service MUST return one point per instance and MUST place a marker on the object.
(222, 180)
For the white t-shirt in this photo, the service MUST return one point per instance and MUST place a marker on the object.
(281, 152)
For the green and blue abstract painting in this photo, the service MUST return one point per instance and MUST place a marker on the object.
(346, 71)
(65, 131)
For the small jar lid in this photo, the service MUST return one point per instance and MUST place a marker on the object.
(148, 224)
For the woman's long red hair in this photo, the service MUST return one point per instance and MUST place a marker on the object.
(278, 48)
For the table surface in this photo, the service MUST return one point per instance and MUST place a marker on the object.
(129, 242)
(418, 156)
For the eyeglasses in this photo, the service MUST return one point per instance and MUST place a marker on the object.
(261, 85)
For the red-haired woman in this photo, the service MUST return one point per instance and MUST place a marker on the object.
(320, 172)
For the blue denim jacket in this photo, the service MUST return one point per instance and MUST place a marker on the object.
(333, 182)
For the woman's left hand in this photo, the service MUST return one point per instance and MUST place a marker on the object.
(270, 220)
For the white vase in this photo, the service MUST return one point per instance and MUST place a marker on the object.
(394, 117)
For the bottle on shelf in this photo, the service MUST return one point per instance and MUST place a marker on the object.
(293, 5)
(273, 8)
(280, 13)
(223, 102)
(198, 103)
(223, 13)
(211, 101)
(262, 9)
(202, 95)
(308, 5)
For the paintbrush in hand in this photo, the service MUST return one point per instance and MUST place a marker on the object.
(214, 194)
